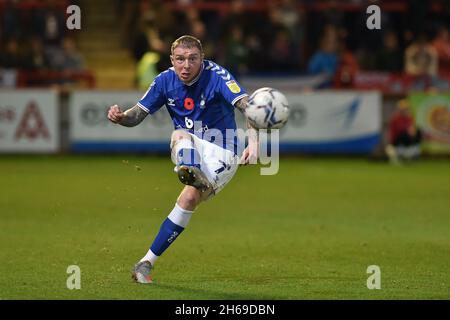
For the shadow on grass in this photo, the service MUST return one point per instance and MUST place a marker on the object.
(198, 293)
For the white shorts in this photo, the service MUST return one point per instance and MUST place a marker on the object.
(218, 164)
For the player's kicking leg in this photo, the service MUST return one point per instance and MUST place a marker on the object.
(171, 228)
(188, 161)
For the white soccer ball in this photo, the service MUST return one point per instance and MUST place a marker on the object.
(267, 108)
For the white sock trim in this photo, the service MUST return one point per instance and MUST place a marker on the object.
(183, 210)
(180, 216)
(150, 256)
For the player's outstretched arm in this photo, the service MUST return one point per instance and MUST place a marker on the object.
(130, 118)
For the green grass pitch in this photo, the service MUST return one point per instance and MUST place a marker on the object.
(309, 232)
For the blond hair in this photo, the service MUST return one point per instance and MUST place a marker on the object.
(187, 42)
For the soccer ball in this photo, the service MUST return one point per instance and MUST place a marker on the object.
(267, 108)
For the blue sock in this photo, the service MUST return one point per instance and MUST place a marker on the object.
(167, 234)
(171, 228)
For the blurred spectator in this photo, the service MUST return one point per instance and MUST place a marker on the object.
(36, 58)
(150, 63)
(66, 58)
(441, 44)
(164, 18)
(390, 56)
(149, 37)
(281, 53)
(421, 58)
(198, 30)
(130, 16)
(347, 68)
(325, 60)
(192, 14)
(11, 57)
(287, 15)
(237, 16)
(149, 40)
(73, 60)
(147, 69)
(286, 20)
(236, 52)
(141, 43)
(158, 12)
(404, 136)
(257, 29)
(10, 21)
(149, 47)
(257, 61)
(50, 23)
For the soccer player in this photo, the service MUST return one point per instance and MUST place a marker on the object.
(405, 137)
(200, 96)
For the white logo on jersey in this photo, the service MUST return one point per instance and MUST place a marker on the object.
(202, 102)
(222, 72)
(188, 122)
(171, 102)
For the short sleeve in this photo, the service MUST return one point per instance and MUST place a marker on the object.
(154, 98)
(230, 89)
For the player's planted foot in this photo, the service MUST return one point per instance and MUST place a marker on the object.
(141, 272)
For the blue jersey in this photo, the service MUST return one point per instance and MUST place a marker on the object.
(206, 103)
